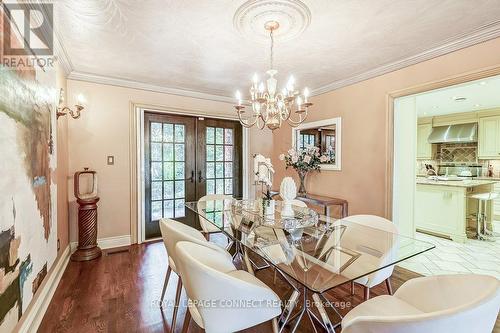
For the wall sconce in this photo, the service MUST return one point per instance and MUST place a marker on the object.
(64, 110)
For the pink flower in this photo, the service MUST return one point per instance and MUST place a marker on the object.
(323, 159)
(295, 159)
(291, 152)
(282, 157)
(307, 159)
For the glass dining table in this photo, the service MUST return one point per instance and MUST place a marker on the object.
(313, 253)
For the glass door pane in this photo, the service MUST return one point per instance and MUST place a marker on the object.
(219, 160)
(168, 163)
(219, 157)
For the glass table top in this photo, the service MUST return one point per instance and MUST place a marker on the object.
(318, 252)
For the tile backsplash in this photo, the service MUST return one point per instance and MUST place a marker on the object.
(458, 153)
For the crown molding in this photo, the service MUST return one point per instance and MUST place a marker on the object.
(87, 77)
(61, 55)
(482, 34)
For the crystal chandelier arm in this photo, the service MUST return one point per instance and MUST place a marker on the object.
(244, 123)
(264, 119)
(261, 127)
(294, 123)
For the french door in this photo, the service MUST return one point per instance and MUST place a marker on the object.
(185, 159)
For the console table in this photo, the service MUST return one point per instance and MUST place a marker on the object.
(324, 202)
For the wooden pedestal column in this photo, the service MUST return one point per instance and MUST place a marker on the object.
(87, 220)
(87, 231)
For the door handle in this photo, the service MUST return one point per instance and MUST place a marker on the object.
(191, 179)
(200, 177)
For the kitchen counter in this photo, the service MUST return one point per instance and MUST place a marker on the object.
(495, 179)
(456, 183)
(443, 206)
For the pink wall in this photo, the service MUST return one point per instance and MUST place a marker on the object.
(104, 129)
(363, 108)
(62, 172)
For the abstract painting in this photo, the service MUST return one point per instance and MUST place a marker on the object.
(28, 239)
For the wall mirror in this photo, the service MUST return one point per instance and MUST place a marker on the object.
(324, 134)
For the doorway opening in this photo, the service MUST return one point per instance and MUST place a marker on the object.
(446, 178)
(185, 158)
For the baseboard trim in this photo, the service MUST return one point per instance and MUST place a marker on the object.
(108, 242)
(34, 315)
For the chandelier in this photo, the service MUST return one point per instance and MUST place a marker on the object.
(269, 107)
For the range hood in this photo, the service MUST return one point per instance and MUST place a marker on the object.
(454, 133)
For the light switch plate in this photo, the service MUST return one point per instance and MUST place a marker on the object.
(111, 160)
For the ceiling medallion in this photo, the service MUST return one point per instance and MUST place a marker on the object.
(270, 107)
(293, 16)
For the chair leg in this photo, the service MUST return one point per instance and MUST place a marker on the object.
(167, 277)
(388, 285)
(274, 278)
(177, 299)
(274, 322)
(352, 288)
(367, 293)
(187, 319)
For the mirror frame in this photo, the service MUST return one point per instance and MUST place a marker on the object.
(338, 139)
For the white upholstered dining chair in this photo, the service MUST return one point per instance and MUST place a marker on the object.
(378, 250)
(206, 226)
(221, 297)
(433, 304)
(173, 232)
(298, 203)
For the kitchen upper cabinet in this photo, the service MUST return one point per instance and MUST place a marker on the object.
(424, 148)
(489, 138)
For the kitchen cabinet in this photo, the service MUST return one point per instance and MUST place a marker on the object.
(489, 138)
(424, 148)
(442, 207)
(441, 210)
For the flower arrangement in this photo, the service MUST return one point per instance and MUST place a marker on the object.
(303, 161)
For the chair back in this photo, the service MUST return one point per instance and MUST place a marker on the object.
(205, 225)
(298, 203)
(377, 243)
(173, 232)
(221, 293)
(375, 222)
(459, 303)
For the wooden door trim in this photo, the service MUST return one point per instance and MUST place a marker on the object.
(417, 89)
(136, 151)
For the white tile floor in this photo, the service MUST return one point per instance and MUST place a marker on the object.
(450, 257)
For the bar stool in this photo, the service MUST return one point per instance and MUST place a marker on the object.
(483, 200)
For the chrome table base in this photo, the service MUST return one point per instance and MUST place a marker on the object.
(310, 300)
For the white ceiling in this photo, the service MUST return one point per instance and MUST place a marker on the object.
(195, 46)
(479, 95)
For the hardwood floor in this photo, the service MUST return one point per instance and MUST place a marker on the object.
(119, 292)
